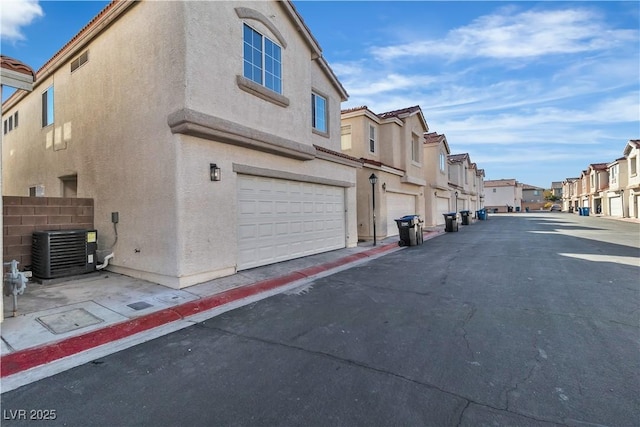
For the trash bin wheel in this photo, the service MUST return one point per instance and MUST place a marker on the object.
(400, 242)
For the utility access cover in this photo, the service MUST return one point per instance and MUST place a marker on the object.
(67, 321)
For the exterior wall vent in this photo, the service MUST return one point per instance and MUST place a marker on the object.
(63, 253)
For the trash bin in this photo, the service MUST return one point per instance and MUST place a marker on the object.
(481, 214)
(465, 217)
(517, 208)
(570, 209)
(451, 221)
(527, 209)
(585, 211)
(580, 212)
(410, 230)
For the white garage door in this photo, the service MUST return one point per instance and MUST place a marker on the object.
(615, 206)
(442, 204)
(398, 205)
(280, 220)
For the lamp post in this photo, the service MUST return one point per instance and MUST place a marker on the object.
(373, 179)
(456, 203)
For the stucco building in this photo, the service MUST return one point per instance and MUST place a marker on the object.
(390, 145)
(503, 195)
(215, 136)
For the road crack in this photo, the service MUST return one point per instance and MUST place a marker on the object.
(467, 400)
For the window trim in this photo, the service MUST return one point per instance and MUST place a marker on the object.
(263, 57)
(372, 139)
(415, 149)
(317, 95)
(46, 121)
(345, 130)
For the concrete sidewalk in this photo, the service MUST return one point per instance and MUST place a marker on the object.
(61, 326)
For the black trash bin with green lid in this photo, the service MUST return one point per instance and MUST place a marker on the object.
(410, 230)
(451, 221)
(465, 217)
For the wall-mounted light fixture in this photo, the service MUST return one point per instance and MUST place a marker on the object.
(384, 186)
(215, 172)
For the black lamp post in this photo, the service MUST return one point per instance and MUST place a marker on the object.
(373, 179)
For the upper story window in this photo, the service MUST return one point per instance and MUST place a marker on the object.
(345, 137)
(80, 60)
(415, 149)
(466, 175)
(319, 112)
(47, 107)
(613, 174)
(633, 165)
(262, 60)
(443, 162)
(372, 139)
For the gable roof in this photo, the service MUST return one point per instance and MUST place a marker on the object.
(633, 143)
(435, 138)
(16, 74)
(598, 166)
(458, 158)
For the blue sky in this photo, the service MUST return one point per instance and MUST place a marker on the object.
(534, 91)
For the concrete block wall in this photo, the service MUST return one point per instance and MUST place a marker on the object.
(24, 215)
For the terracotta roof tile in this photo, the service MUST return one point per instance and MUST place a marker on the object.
(15, 65)
(458, 157)
(433, 138)
(398, 113)
(337, 153)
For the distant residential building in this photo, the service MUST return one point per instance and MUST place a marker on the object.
(503, 195)
(556, 189)
(532, 197)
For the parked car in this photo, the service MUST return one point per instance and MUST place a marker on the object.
(555, 208)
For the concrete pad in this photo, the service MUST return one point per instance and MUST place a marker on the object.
(26, 331)
(68, 321)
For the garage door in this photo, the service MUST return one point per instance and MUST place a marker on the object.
(280, 220)
(615, 206)
(398, 205)
(442, 204)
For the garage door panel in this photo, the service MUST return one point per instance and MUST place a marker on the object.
(280, 220)
(615, 206)
(442, 207)
(398, 205)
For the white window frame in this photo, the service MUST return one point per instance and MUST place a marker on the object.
(415, 149)
(372, 139)
(265, 74)
(319, 102)
(443, 162)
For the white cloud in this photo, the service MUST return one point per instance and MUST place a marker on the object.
(16, 14)
(511, 35)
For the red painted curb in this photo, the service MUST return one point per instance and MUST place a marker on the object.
(22, 360)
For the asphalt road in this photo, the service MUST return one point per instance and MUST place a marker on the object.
(529, 319)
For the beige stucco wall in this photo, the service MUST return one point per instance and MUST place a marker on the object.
(111, 129)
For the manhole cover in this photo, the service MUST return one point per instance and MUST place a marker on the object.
(140, 305)
(68, 321)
